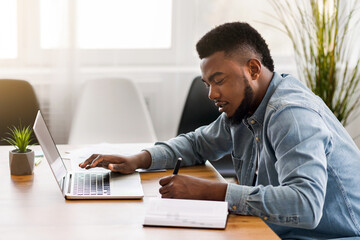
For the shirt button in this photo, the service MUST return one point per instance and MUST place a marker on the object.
(252, 121)
(234, 207)
(265, 218)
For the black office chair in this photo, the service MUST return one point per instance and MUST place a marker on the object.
(199, 110)
(18, 103)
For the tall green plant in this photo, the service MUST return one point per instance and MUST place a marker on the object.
(19, 137)
(323, 34)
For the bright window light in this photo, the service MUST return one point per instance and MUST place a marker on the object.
(126, 24)
(8, 29)
(54, 24)
(107, 24)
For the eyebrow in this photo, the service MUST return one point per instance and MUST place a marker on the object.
(212, 76)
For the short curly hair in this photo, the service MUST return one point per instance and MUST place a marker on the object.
(233, 36)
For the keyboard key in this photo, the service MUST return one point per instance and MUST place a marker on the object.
(75, 183)
(81, 184)
(99, 183)
(92, 184)
(107, 184)
(87, 185)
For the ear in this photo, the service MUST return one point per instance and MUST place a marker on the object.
(254, 66)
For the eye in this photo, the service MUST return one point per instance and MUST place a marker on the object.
(219, 81)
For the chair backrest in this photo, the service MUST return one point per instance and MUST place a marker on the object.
(113, 111)
(198, 110)
(18, 103)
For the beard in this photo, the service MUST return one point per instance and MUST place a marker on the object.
(244, 109)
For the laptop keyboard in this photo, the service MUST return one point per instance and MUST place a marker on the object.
(92, 183)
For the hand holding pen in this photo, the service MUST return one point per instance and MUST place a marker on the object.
(189, 187)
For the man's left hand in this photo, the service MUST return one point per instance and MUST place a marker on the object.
(188, 187)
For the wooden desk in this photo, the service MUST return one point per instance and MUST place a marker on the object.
(32, 207)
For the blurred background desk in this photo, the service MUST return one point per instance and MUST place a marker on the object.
(32, 207)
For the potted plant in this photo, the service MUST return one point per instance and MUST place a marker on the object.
(21, 159)
(324, 37)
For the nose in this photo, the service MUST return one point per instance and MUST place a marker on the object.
(213, 93)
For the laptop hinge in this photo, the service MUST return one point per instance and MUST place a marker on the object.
(63, 184)
(66, 184)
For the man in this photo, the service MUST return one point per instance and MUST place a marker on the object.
(297, 167)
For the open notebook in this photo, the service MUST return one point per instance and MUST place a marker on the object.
(186, 213)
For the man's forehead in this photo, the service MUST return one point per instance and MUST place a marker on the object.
(212, 64)
(218, 64)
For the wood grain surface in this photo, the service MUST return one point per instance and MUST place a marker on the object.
(32, 207)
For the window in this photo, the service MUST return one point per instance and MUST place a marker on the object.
(54, 22)
(107, 24)
(126, 24)
(103, 32)
(8, 29)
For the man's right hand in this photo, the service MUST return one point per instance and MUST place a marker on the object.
(118, 163)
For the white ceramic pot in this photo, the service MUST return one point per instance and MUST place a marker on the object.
(21, 163)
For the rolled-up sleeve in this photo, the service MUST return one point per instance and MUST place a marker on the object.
(237, 196)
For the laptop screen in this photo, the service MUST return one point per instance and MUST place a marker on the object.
(49, 148)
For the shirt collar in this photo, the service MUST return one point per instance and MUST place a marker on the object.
(259, 114)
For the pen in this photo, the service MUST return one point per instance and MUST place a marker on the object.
(37, 161)
(177, 166)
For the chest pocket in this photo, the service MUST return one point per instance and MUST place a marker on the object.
(238, 164)
(243, 163)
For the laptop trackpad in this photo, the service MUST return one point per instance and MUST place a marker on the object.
(126, 185)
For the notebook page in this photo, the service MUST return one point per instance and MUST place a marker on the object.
(186, 213)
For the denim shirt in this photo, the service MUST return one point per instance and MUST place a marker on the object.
(308, 167)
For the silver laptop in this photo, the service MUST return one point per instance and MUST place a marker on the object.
(83, 184)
